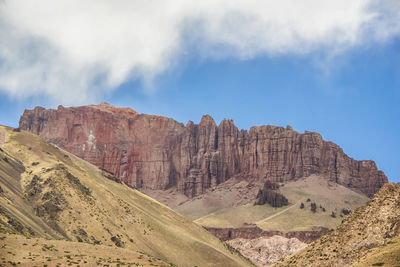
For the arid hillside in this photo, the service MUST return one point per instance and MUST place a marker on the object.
(48, 194)
(370, 236)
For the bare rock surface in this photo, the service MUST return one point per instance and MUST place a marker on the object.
(266, 250)
(252, 232)
(158, 153)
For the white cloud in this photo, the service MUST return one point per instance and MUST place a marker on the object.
(72, 51)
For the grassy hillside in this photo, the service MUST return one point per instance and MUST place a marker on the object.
(49, 193)
(232, 193)
(328, 196)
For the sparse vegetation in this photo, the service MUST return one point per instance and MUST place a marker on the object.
(269, 218)
(313, 207)
(346, 211)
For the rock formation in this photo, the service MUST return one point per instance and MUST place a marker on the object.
(254, 232)
(269, 194)
(266, 250)
(156, 152)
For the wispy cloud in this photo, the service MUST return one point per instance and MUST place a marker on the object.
(72, 51)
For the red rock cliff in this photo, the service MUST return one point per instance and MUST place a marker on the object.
(157, 152)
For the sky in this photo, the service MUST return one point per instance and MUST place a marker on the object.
(327, 66)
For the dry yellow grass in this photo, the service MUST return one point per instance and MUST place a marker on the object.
(22, 251)
(387, 255)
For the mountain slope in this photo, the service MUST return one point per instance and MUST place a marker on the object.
(328, 196)
(369, 236)
(47, 192)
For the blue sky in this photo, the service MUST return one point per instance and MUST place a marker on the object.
(341, 80)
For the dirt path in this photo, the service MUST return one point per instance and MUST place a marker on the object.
(2, 137)
(279, 213)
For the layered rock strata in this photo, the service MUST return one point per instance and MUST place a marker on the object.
(266, 250)
(254, 232)
(156, 152)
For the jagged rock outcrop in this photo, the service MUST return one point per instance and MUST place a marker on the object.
(269, 194)
(156, 152)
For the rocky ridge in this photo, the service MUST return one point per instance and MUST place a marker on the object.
(154, 152)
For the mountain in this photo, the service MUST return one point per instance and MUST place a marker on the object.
(158, 153)
(56, 208)
(258, 190)
(369, 236)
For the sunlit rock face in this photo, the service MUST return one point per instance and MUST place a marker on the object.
(156, 152)
(267, 250)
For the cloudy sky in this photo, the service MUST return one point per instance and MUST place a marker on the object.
(321, 65)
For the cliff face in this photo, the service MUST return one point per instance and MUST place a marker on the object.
(156, 152)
